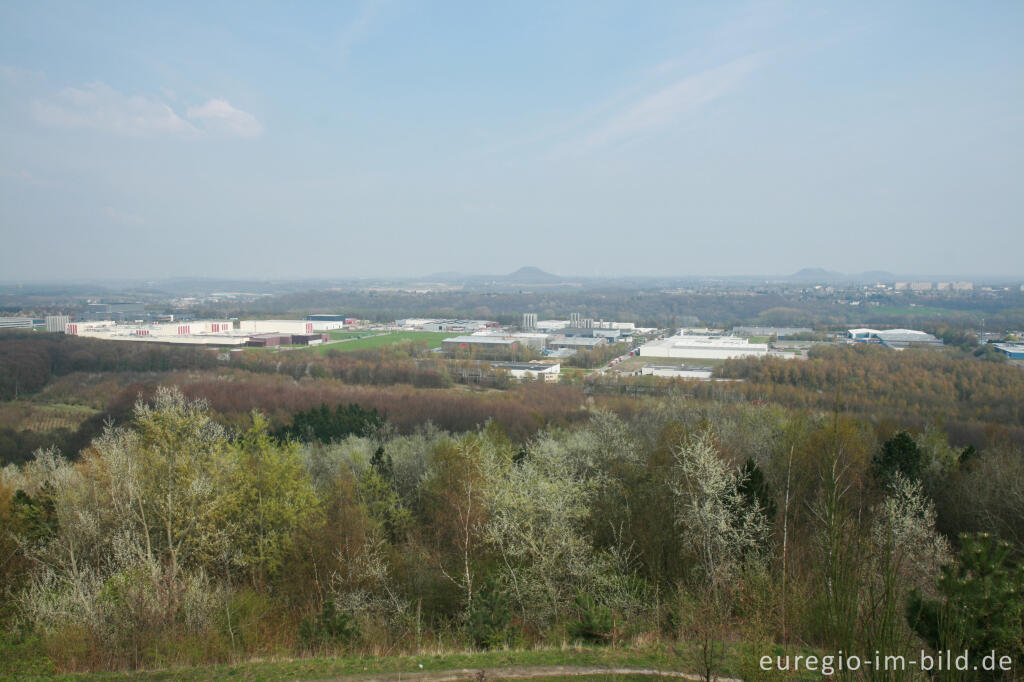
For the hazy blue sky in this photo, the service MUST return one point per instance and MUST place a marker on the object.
(388, 138)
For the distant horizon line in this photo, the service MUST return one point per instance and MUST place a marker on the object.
(432, 278)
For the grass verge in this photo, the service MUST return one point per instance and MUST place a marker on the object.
(683, 657)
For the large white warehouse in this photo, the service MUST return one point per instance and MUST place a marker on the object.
(703, 347)
(276, 326)
(197, 332)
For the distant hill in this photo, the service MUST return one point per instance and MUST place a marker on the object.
(823, 275)
(531, 275)
(816, 275)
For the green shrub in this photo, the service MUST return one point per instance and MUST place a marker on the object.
(490, 617)
(595, 624)
(982, 608)
(330, 626)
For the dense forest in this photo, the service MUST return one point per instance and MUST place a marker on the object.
(176, 539)
(912, 386)
(29, 360)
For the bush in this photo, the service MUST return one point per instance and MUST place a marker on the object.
(983, 605)
(490, 617)
(330, 626)
(595, 624)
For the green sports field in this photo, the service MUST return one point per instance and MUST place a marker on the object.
(379, 339)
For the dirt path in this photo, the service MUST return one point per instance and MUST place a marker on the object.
(522, 673)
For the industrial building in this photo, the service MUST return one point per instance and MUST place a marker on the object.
(482, 345)
(276, 326)
(278, 339)
(529, 321)
(897, 339)
(325, 322)
(535, 340)
(551, 325)
(677, 372)
(15, 322)
(593, 332)
(196, 332)
(778, 332)
(577, 342)
(57, 323)
(1014, 351)
(446, 325)
(546, 371)
(703, 347)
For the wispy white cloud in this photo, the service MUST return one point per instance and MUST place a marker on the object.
(99, 107)
(664, 107)
(218, 116)
(357, 30)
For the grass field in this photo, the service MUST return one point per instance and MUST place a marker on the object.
(675, 658)
(341, 334)
(379, 339)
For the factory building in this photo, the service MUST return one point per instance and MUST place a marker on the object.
(529, 321)
(324, 322)
(191, 327)
(446, 325)
(577, 342)
(1014, 351)
(481, 345)
(593, 332)
(89, 328)
(15, 322)
(276, 326)
(677, 372)
(197, 332)
(896, 339)
(860, 334)
(534, 340)
(703, 347)
(546, 371)
(268, 340)
(779, 332)
(275, 339)
(57, 323)
(551, 325)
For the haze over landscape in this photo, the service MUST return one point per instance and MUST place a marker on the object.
(588, 139)
(460, 340)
